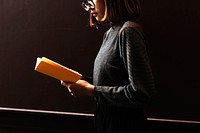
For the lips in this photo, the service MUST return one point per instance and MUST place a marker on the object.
(94, 14)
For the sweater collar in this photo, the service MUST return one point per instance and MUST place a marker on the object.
(116, 25)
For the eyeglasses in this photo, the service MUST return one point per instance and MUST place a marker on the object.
(88, 4)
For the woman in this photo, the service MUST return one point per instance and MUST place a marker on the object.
(122, 78)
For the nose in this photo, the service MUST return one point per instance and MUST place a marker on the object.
(91, 9)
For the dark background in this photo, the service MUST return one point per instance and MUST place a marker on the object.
(58, 29)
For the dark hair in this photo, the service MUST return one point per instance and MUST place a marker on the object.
(119, 11)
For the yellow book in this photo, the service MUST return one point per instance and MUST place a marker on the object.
(56, 70)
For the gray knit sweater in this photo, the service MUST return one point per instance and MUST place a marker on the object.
(122, 74)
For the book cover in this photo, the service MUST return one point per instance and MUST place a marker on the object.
(56, 70)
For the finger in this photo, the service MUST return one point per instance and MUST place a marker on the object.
(62, 83)
(70, 91)
(65, 84)
(68, 87)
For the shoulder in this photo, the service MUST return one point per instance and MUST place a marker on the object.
(131, 26)
(131, 30)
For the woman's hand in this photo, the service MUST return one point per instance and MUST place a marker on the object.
(81, 87)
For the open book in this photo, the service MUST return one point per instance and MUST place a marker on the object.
(56, 70)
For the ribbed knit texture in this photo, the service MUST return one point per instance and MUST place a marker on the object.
(122, 73)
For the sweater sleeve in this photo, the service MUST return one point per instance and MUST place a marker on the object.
(140, 90)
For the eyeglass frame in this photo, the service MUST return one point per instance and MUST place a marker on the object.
(88, 5)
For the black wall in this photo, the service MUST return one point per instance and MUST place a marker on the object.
(55, 29)
(173, 30)
(59, 30)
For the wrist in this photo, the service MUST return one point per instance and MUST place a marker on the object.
(91, 89)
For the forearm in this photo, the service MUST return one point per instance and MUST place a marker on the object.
(126, 96)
